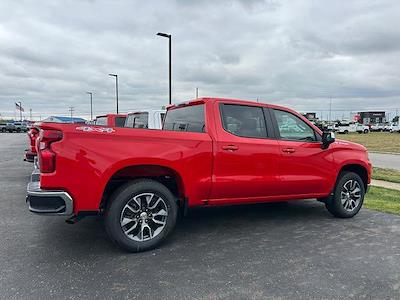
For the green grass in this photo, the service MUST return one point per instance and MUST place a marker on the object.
(384, 200)
(386, 174)
(375, 141)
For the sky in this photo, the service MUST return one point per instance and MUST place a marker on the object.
(296, 53)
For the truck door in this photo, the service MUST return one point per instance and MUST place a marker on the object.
(304, 167)
(245, 156)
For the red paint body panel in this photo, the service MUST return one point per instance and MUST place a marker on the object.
(210, 171)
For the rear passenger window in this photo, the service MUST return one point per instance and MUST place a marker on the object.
(245, 121)
(186, 118)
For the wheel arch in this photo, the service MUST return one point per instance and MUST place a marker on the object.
(163, 174)
(358, 169)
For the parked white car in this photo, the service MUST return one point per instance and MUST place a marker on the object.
(150, 119)
(348, 127)
(395, 128)
(378, 127)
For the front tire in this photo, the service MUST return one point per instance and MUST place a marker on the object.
(140, 215)
(348, 196)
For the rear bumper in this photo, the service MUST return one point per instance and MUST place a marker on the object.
(47, 202)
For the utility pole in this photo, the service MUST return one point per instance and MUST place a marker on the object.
(30, 114)
(330, 110)
(71, 110)
(197, 93)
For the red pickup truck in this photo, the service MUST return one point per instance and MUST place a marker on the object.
(210, 152)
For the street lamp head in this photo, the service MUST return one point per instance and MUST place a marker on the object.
(164, 34)
(90, 93)
(115, 75)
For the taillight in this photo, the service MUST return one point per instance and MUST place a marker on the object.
(33, 134)
(47, 158)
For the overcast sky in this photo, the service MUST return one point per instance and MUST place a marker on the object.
(294, 53)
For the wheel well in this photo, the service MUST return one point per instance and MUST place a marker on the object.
(166, 176)
(358, 169)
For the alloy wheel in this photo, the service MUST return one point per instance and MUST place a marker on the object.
(350, 195)
(144, 217)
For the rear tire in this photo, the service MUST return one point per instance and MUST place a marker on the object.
(140, 215)
(348, 196)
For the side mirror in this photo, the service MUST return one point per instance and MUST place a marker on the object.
(328, 137)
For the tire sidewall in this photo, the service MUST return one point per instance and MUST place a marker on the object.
(337, 203)
(117, 203)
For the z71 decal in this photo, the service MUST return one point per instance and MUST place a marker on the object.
(95, 129)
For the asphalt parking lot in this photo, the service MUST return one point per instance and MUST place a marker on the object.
(288, 250)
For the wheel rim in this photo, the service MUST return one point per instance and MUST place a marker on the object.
(350, 195)
(144, 217)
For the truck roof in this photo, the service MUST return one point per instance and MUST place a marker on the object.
(111, 115)
(230, 100)
(146, 110)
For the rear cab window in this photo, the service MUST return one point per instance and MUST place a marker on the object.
(186, 118)
(101, 121)
(137, 120)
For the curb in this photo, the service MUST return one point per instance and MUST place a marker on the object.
(392, 153)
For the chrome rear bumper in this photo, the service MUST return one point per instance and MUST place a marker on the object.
(47, 202)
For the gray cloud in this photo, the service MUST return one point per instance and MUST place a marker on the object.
(297, 53)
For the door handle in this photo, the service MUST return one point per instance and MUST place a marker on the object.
(288, 150)
(230, 148)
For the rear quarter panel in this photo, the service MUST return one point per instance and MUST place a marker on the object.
(86, 161)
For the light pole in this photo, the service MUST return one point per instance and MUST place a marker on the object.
(91, 105)
(116, 87)
(168, 36)
(20, 111)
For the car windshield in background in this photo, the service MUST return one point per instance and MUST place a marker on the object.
(120, 121)
(137, 120)
(187, 118)
(101, 121)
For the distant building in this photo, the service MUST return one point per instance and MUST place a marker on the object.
(60, 119)
(371, 117)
